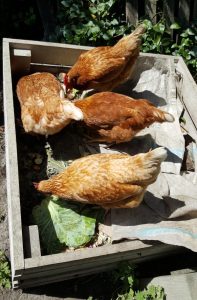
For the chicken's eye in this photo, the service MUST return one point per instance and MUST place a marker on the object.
(75, 79)
(77, 82)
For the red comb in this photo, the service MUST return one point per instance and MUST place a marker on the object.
(65, 79)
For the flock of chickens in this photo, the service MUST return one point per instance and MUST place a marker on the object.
(108, 180)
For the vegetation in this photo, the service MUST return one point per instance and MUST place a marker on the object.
(98, 22)
(95, 22)
(64, 224)
(124, 284)
(92, 22)
(158, 39)
(5, 272)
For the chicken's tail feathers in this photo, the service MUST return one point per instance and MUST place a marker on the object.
(169, 117)
(148, 165)
(141, 29)
(158, 155)
(131, 41)
(162, 116)
(72, 112)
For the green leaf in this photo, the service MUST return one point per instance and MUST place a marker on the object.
(174, 46)
(159, 27)
(175, 26)
(189, 31)
(148, 24)
(93, 30)
(5, 272)
(145, 49)
(188, 56)
(114, 22)
(140, 296)
(157, 39)
(186, 42)
(63, 223)
(65, 4)
(184, 34)
(54, 166)
(93, 9)
(105, 36)
(111, 32)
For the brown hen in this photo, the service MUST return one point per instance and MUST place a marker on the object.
(43, 110)
(116, 118)
(108, 180)
(104, 68)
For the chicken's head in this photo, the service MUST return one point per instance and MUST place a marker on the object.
(77, 82)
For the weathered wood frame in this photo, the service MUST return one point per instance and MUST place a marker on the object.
(37, 269)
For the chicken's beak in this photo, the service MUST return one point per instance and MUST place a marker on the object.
(69, 86)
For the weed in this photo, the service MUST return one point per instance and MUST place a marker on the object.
(124, 284)
(5, 272)
(158, 39)
(92, 22)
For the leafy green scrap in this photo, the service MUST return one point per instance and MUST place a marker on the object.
(65, 224)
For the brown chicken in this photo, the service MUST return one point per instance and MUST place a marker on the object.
(108, 180)
(104, 68)
(116, 118)
(43, 110)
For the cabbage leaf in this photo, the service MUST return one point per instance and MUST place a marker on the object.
(65, 224)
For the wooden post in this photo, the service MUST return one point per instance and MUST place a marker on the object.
(169, 9)
(194, 14)
(184, 11)
(132, 11)
(151, 9)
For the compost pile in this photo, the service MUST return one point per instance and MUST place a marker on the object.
(169, 210)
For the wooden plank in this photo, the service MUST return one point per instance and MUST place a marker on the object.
(89, 254)
(20, 61)
(188, 91)
(13, 198)
(169, 9)
(64, 54)
(184, 12)
(51, 68)
(65, 273)
(132, 11)
(151, 9)
(31, 241)
(47, 279)
(194, 14)
(95, 264)
(116, 252)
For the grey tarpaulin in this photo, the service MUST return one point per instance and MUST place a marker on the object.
(169, 210)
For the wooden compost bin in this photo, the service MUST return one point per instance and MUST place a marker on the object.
(21, 57)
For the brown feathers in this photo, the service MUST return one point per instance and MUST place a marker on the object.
(42, 109)
(104, 68)
(116, 118)
(108, 180)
